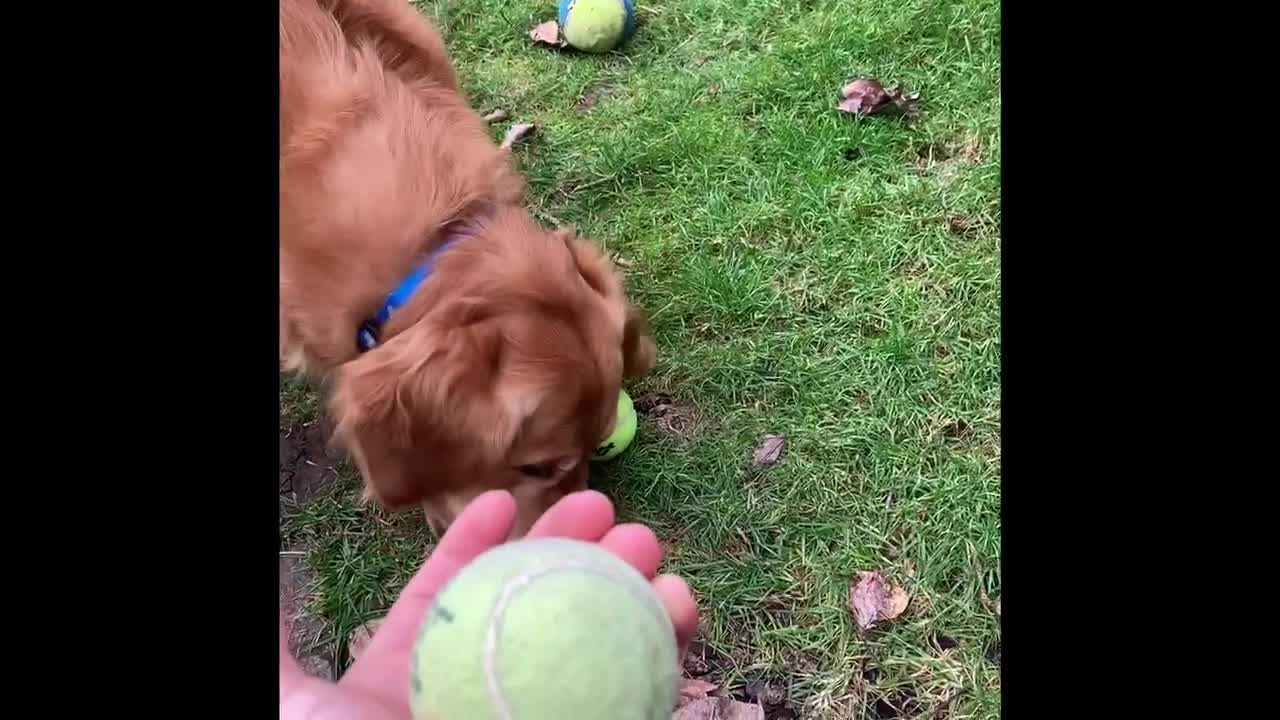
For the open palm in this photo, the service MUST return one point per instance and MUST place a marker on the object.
(376, 686)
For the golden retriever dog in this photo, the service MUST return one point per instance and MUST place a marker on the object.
(464, 347)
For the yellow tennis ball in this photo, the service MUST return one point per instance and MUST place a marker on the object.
(624, 430)
(597, 26)
(546, 629)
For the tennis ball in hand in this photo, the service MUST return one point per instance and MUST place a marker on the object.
(546, 629)
(597, 26)
(624, 430)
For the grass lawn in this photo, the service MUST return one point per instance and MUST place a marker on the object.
(833, 279)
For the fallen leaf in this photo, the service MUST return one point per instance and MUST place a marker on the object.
(496, 116)
(863, 96)
(769, 451)
(361, 636)
(517, 133)
(719, 708)
(692, 689)
(547, 33)
(867, 96)
(872, 599)
(898, 601)
(998, 606)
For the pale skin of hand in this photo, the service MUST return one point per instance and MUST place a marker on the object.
(376, 687)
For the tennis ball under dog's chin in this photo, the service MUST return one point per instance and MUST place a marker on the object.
(546, 629)
(597, 26)
(624, 431)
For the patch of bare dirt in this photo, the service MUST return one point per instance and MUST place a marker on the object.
(895, 704)
(771, 695)
(945, 160)
(592, 97)
(967, 151)
(702, 659)
(307, 461)
(307, 470)
(674, 417)
(310, 638)
(956, 432)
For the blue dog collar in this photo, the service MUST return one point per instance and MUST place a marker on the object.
(370, 330)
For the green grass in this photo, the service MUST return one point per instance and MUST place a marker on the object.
(793, 290)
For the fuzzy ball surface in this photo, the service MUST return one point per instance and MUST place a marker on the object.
(546, 629)
(597, 26)
(624, 431)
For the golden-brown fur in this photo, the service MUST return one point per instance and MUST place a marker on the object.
(503, 369)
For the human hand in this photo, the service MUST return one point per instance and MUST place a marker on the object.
(376, 686)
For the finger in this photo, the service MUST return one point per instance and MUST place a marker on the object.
(585, 515)
(637, 545)
(680, 604)
(483, 523)
(383, 668)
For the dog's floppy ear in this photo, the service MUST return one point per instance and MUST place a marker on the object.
(422, 407)
(639, 351)
(592, 265)
(374, 421)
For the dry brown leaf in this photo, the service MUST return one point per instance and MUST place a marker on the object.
(769, 451)
(863, 96)
(897, 602)
(872, 599)
(867, 96)
(719, 708)
(692, 689)
(496, 116)
(516, 133)
(547, 33)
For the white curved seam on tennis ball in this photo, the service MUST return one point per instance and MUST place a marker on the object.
(508, 592)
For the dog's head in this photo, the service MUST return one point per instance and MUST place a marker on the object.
(502, 372)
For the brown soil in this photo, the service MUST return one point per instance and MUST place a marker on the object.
(307, 471)
(307, 461)
(311, 641)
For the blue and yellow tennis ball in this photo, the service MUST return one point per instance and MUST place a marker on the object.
(546, 629)
(623, 432)
(597, 26)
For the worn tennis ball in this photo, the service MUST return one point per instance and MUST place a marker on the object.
(597, 26)
(624, 431)
(546, 629)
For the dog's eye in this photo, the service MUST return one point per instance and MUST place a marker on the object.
(542, 471)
